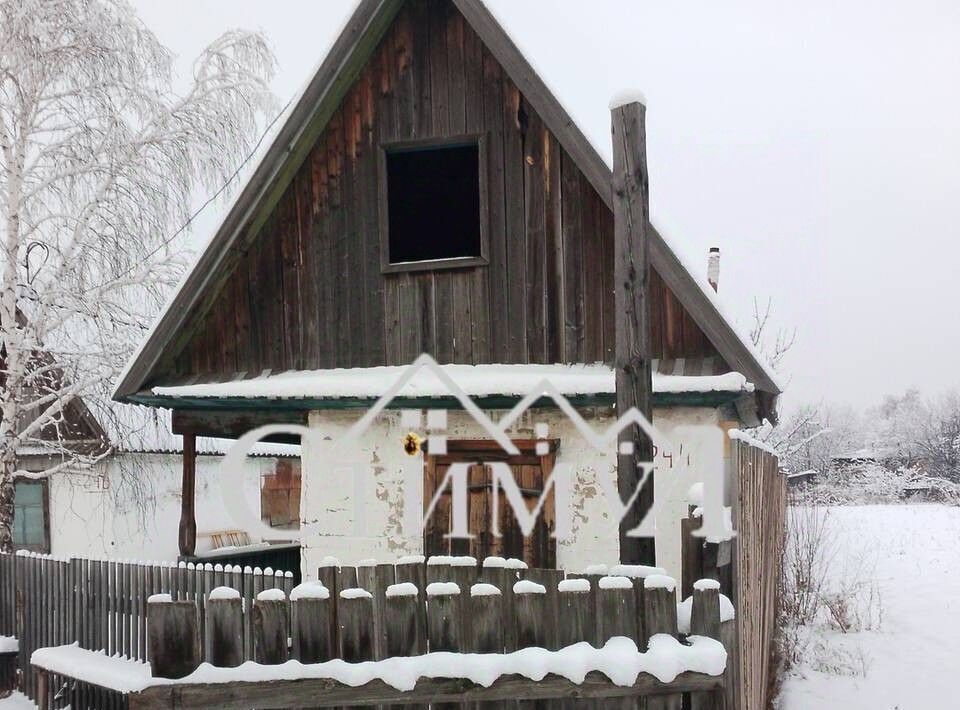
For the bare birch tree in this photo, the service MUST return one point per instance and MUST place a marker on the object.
(98, 160)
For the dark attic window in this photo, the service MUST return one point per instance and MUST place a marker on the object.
(433, 206)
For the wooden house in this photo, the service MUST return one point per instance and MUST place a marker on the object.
(428, 194)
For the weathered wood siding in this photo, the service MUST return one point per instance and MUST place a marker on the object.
(309, 292)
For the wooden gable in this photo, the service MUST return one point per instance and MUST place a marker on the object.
(308, 291)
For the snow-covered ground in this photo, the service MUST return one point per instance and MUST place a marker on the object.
(17, 701)
(911, 553)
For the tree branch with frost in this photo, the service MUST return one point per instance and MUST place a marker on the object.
(773, 346)
(99, 159)
(74, 463)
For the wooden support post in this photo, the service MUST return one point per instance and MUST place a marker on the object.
(224, 628)
(634, 379)
(310, 623)
(188, 517)
(271, 628)
(173, 637)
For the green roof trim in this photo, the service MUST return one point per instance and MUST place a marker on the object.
(663, 399)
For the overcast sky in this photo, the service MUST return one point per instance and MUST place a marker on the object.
(816, 143)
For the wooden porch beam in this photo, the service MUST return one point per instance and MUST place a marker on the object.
(232, 424)
(634, 378)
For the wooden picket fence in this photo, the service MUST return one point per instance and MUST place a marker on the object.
(373, 625)
(101, 605)
(759, 502)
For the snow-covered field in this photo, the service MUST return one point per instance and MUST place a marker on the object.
(911, 553)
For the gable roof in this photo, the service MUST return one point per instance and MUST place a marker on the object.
(308, 116)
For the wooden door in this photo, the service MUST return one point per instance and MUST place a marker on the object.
(530, 471)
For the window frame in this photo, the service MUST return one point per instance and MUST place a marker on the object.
(383, 187)
(44, 484)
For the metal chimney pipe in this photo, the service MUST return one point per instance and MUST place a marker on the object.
(713, 267)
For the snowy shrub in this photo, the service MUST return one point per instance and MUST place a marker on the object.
(806, 560)
(871, 483)
(822, 595)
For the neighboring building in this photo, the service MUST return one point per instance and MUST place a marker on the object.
(802, 478)
(427, 193)
(126, 505)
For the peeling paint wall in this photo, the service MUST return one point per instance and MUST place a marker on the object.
(332, 526)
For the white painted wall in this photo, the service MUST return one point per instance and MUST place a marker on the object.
(332, 526)
(100, 513)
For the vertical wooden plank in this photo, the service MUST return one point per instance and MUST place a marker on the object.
(174, 638)
(576, 613)
(312, 641)
(660, 615)
(493, 116)
(404, 633)
(444, 621)
(271, 627)
(414, 571)
(249, 594)
(705, 621)
(514, 127)
(223, 646)
(530, 614)
(355, 619)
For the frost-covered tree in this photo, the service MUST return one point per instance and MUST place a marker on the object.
(99, 157)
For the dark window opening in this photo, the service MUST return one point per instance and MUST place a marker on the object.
(433, 196)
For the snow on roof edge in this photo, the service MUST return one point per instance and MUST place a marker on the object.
(474, 380)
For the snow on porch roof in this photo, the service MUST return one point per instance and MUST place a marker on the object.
(474, 380)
